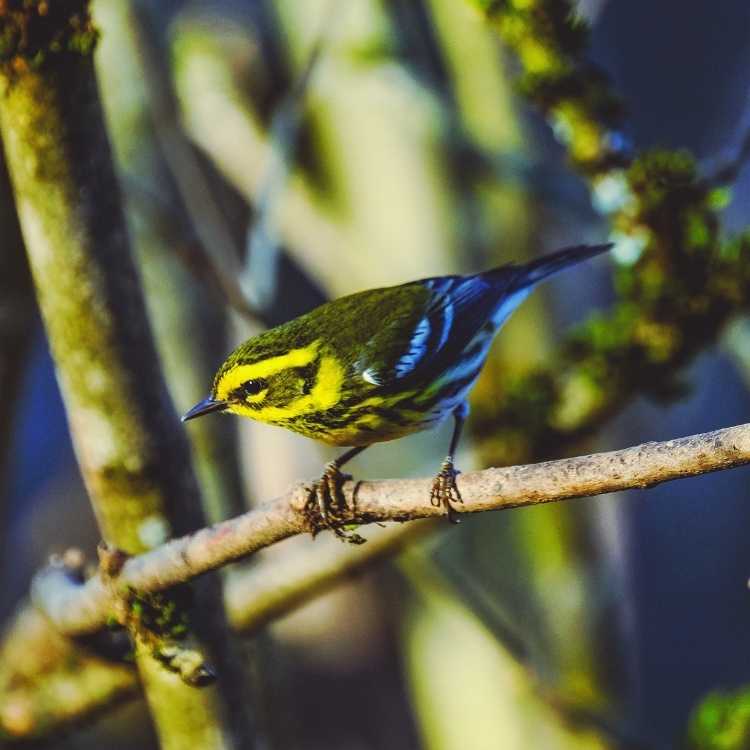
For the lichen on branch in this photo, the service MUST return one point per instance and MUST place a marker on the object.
(82, 609)
(672, 303)
(678, 280)
(551, 43)
(134, 458)
(32, 31)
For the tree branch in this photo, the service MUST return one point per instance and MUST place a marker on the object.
(267, 591)
(666, 222)
(48, 681)
(80, 609)
(134, 461)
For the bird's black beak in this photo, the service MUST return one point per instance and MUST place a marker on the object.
(204, 407)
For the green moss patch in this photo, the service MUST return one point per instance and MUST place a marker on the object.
(31, 31)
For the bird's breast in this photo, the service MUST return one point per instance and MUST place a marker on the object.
(365, 418)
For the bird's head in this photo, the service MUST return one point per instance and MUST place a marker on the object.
(273, 384)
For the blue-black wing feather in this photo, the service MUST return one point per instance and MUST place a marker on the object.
(453, 312)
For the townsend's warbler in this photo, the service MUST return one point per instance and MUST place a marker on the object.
(378, 365)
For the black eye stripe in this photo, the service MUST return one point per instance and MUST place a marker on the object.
(251, 387)
(308, 374)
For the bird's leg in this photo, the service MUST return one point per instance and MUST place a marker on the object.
(445, 491)
(328, 495)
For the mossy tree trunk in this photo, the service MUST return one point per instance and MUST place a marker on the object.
(133, 455)
(189, 323)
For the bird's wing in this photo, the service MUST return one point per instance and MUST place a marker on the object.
(445, 315)
(433, 320)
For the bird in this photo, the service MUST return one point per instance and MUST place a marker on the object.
(377, 365)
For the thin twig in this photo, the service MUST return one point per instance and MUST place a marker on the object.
(727, 173)
(78, 609)
(220, 279)
(261, 593)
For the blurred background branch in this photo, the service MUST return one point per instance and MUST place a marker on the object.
(677, 273)
(266, 591)
(135, 464)
(17, 314)
(183, 559)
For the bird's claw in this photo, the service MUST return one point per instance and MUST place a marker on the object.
(327, 496)
(445, 491)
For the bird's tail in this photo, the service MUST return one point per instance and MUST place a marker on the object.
(539, 269)
(512, 284)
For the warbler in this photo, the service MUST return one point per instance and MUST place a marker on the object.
(378, 365)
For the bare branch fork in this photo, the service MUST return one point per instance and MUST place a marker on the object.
(77, 608)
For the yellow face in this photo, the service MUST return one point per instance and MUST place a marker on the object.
(281, 388)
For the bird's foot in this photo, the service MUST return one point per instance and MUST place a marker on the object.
(445, 491)
(327, 497)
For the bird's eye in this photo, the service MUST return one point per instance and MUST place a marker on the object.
(252, 387)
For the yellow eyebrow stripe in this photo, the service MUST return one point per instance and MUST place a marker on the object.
(240, 374)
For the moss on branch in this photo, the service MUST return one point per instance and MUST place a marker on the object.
(678, 282)
(721, 721)
(34, 31)
(133, 455)
(49, 682)
(551, 43)
(673, 303)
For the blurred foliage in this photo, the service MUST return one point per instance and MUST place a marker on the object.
(672, 304)
(495, 697)
(721, 721)
(678, 283)
(32, 29)
(551, 42)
